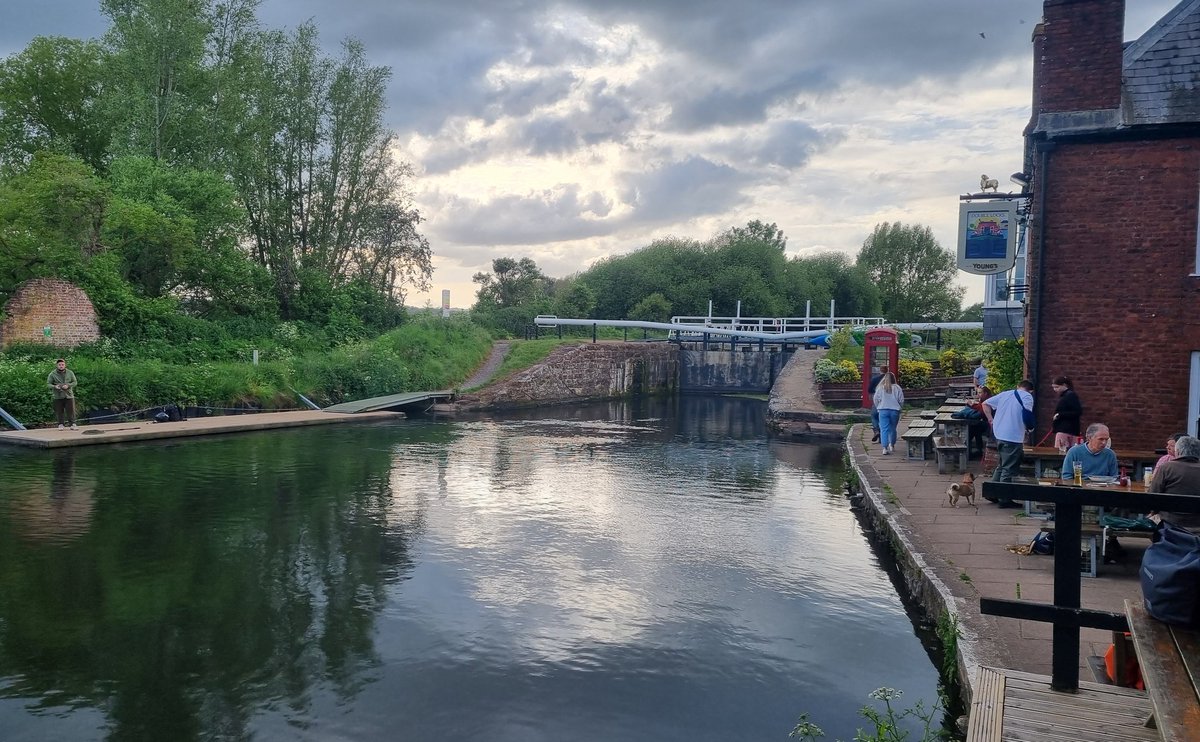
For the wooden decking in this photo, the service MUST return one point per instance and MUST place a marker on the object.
(91, 435)
(1014, 706)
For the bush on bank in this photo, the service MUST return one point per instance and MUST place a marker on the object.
(424, 354)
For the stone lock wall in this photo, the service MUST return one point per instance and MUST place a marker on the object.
(591, 371)
(49, 302)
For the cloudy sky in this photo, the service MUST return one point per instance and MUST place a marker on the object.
(568, 131)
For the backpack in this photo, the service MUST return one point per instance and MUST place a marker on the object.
(1043, 543)
(1027, 416)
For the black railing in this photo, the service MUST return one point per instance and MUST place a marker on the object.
(1065, 613)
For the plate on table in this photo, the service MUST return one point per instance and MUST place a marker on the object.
(1102, 480)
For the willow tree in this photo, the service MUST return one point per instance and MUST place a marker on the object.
(312, 161)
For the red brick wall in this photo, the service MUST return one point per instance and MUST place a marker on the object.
(49, 301)
(1078, 65)
(1120, 311)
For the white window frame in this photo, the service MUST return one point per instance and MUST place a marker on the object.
(1193, 394)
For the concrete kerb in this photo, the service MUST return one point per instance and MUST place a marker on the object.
(921, 580)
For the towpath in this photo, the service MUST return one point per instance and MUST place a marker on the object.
(951, 557)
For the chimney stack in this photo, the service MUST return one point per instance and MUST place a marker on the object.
(1077, 62)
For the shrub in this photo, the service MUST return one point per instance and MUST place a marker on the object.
(915, 374)
(843, 346)
(836, 372)
(955, 363)
(1005, 364)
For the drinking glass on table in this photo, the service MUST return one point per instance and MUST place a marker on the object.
(1077, 470)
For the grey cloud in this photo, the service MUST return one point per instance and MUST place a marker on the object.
(551, 216)
(522, 98)
(683, 190)
(787, 144)
(727, 107)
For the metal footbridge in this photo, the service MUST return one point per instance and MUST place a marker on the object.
(390, 402)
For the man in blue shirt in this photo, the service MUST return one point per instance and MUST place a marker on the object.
(1003, 412)
(979, 378)
(1097, 458)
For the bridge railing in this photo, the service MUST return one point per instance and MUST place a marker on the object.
(778, 324)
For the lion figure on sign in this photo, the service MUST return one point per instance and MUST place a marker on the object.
(985, 183)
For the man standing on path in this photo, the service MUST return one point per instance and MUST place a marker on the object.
(62, 384)
(1004, 413)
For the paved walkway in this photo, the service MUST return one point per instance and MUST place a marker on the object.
(956, 556)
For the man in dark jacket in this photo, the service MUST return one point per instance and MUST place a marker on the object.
(62, 387)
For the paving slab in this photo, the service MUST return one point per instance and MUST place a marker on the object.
(143, 430)
(964, 555)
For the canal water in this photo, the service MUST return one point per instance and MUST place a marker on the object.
(629, 571)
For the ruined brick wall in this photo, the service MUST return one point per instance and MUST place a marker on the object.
(591, 371)
(49, 302)
(1120, 309)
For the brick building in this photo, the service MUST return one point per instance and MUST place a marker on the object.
(1113, 148)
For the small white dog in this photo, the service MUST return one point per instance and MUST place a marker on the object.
(985, 183)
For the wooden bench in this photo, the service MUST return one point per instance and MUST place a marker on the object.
(1096, 536)
(919, 438)
(951, 454)
(1169, 659)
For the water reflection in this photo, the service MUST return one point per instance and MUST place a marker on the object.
(623, 571)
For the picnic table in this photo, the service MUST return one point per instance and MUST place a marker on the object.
(950, 441)
(1169, 660)
(1133, 459)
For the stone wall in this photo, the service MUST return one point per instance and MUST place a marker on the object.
(740, 370)
(591, 371)
(49, 302)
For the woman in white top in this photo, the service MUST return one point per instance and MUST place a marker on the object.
(889, 399)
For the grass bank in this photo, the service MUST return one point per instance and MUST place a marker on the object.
(426, 353)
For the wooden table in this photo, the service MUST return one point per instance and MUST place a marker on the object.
(1169, 659)
(1132, 459)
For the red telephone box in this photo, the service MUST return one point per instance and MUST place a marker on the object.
(881, 352)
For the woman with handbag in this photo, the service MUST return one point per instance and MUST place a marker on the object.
(889, 400)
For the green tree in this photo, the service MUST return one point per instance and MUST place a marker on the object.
(157, 66)
(574, 299)
(50, 99)
(653, 308)
(511, 283)
(973, 313)
(831, 276)
(757, 231)
(313, 166)
(913, 272)
(50, 218)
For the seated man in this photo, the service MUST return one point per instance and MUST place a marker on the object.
(1097, 458)
(978, 428)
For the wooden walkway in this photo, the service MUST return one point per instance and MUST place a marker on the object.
(1014, 706)
(91, 435)
(391, 401)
